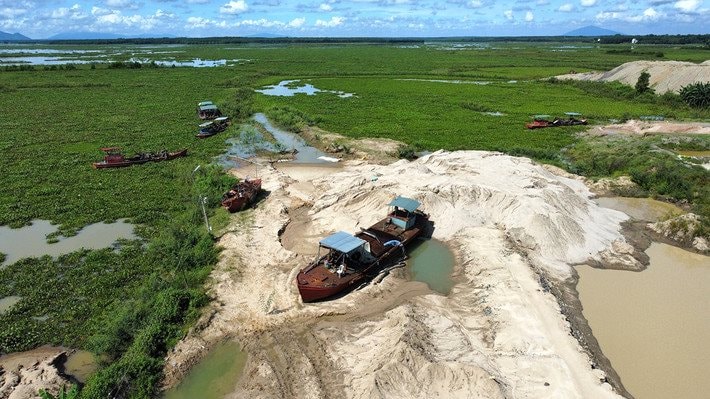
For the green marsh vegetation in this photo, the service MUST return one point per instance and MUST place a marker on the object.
(130, 306)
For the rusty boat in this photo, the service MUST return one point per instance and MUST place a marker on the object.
(346, 261)
(241, 195)
(113, 158)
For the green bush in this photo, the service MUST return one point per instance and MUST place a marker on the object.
(696, 95)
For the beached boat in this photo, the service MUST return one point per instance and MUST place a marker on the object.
(241, 195)
(207, 110)
(345, 261)
(113, 158)
(213, 127)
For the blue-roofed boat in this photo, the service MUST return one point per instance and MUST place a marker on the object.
(345, 261)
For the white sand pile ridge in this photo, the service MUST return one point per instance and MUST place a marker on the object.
(664, 75)
(549, 215)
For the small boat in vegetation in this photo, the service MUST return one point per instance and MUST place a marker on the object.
(113, 158)
(207, 110)
(542, 121)
(350, 260)
(213, 127)
(241, 194)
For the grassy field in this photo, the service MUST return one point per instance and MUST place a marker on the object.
(131, 306)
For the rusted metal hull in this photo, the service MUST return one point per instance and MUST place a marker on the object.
(241, 195)
(138, 161)
(317, 282)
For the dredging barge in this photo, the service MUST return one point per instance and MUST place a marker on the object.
(351, 260)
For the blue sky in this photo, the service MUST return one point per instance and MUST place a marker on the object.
(42, 18)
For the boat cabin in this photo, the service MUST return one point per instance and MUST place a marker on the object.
(113, 154)
(541, 118)
(208, 111)
(345, 251)
(403, 213)
(203, 103)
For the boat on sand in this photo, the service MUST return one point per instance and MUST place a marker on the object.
(345, 261)
(241, 195)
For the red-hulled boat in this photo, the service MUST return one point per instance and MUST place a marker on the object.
(350, 260)
(241, 195)
(113, 158)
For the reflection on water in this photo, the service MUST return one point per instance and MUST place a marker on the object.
(432, 262)
(290, 141)
(31, 241)
(286, 88)
(194, 63)
(214, 377)
(653, 325)
(645, 209)
(8, 302)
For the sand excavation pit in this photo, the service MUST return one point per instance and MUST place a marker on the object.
(503, 330)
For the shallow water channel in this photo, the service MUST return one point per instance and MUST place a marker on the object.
(653, 325)
(31, 241)
(432, 262)
(214, 377)
(292, 141)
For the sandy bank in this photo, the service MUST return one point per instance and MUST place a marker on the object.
(516, 228)
(23, 374)
(643, 128)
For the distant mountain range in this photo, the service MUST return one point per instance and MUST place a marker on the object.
(101, 36)
(12, 37)
(591, 30)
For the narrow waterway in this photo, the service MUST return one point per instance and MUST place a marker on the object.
(645, 209)
(292, 141)
(653, 325)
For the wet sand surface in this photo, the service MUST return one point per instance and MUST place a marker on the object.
(653, 325)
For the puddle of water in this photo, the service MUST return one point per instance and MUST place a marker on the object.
(41, 60)
(653, 325)
(286, 88)
(81, 365)
(645, 209)
(432, 262)
(214, 377)
(497, 113)
(305, 154)
(8, 302)
(31, 241)
(44, 51)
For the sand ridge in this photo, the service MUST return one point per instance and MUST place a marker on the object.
(500, 333)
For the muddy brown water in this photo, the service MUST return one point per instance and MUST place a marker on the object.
(31, 241)
(432, 262)
(81, 365)
(653, 325)
(645, 209)
(213, 377)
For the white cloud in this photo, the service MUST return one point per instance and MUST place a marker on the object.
(123, 4)
(529, 16)
(588, 3)
(508, 15)
(297, 22)
(335, 21)
(325, 7)
(474, 4)
(687, 5)
(234, 7)
(567, 7)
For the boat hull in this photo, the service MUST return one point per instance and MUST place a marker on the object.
(130, 162)
(241, 195)
(317, 282)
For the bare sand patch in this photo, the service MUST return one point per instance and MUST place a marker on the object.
(504, 331)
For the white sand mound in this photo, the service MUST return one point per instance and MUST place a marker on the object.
(499, 333)
(665, 75)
